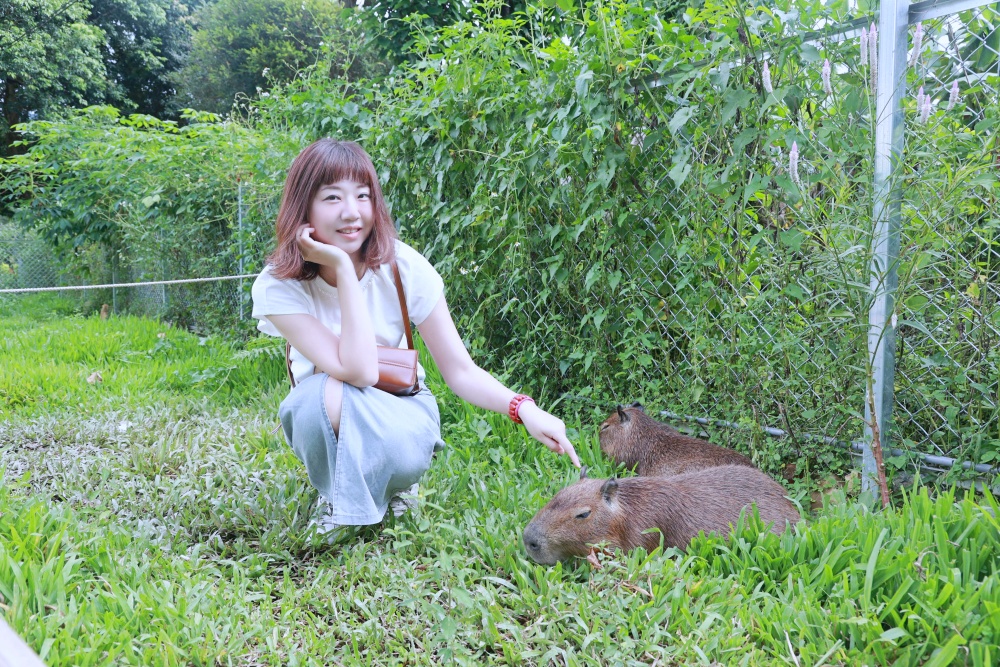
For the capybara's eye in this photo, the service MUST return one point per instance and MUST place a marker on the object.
(583, 515)
(604, 427)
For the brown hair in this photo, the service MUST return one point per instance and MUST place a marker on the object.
(321, 163)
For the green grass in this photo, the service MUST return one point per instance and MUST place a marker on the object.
(154, 519)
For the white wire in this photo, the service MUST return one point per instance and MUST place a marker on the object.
(151, 282)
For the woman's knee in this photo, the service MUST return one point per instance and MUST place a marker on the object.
(412, 463)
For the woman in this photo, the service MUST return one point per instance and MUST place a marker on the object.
(328, 289)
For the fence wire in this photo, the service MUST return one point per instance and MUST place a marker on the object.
(754, 308)
(112, 285)
(948, 357)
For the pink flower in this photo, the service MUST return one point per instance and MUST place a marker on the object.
(918, 37)
(864, 47)
(953, 96)
(873, 53)
(925, 109)
(766, 78)
(826, 77)
(793, 163)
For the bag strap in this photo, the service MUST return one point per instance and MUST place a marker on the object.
(406, 324)
(402, 305)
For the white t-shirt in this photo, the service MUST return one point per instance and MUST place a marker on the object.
(422, 286)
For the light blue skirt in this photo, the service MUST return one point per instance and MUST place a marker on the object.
(386, 443)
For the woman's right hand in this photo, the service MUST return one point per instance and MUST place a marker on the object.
(320, 253)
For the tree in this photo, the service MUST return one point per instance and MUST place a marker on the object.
(58, 54)
(393, 23)
(240, 46)
(49, 58)
(145, 43)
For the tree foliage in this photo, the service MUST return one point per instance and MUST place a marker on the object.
(240, 47)
(59, 54)
(397, 26)
(615, 210)
(145, 44)
(49, 58)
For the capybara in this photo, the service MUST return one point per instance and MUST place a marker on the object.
(632, 437)
(618, 511)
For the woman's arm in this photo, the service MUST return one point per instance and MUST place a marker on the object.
(323, 348)
(471, 383)
(350, 357)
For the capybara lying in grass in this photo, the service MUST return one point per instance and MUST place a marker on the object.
(619, 511)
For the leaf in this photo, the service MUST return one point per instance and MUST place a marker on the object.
(810, 53)
(892, 634)
(795, 291)
(914, 324)
(793, 238)
(945, 655)
(678, 120)
(679, 172)
(916, 302)
(582, 82)
(870, 568)
(737, 99)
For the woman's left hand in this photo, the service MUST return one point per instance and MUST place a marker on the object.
(548, 430)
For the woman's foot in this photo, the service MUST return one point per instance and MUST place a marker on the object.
(323, 524)
(403, 501)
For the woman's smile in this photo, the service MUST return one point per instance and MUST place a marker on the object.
(350, 233)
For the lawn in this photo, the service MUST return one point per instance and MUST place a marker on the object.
(153, 518)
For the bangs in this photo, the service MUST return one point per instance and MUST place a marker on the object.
(342, 162)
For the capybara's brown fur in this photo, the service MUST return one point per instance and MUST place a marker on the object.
(653, 448)
(618, 511)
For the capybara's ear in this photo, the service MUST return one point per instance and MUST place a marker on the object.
(622, 415)
(583, 472)
(638, 405)
(609, 490)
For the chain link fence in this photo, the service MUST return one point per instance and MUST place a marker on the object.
(198, 288)
(110, 284)
(25, 259)
(948, 352)
(747, 265)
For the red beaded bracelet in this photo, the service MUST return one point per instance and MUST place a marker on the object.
(515, 406)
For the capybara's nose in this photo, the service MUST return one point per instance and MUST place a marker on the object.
(531, 541)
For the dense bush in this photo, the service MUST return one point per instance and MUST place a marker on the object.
(137, 198)
(614, 209)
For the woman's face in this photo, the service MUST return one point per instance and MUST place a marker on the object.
(341, 214)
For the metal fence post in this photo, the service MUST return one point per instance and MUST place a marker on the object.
(239, 219)
(891, 87)
(114, 281)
